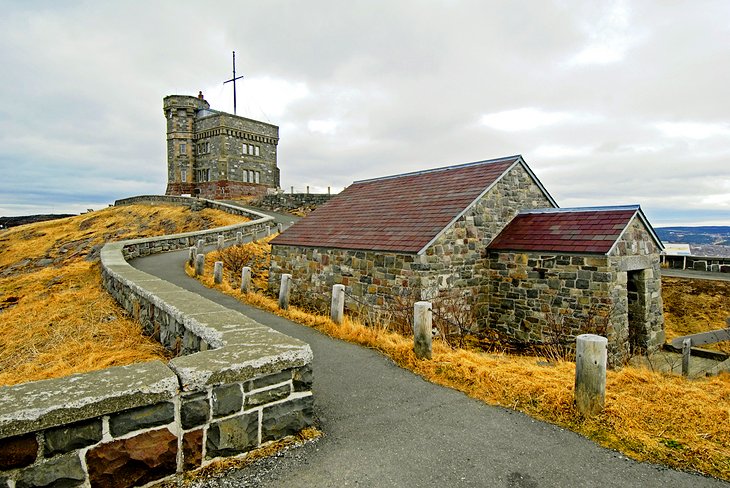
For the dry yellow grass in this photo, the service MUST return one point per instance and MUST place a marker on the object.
(648, 416)
(55, 317)
(692, 306)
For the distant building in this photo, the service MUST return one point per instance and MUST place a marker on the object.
(699, 257)
(215, 154)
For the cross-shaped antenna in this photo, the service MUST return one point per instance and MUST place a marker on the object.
(234, 82)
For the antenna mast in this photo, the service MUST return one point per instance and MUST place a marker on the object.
(234, 82)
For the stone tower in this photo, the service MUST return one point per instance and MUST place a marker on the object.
(217, 155)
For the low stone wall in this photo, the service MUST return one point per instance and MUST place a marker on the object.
(698, 263)
(292, 201)
(236, 386)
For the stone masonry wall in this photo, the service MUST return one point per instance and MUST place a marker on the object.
(372, 276)
(532, 296)
(698, 263)
(239, 386)
(226, 135)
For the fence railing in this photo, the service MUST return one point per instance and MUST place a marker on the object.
(686, 343)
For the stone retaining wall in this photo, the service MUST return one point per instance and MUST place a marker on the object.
(234, 386)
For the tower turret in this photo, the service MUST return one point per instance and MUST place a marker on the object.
(180, 111)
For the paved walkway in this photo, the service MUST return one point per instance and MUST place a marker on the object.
(385, 426)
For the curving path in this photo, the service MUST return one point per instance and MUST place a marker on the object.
(385, 426)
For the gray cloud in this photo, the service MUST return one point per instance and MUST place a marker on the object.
(609, 102)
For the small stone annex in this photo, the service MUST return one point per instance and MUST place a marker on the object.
(577, 270)
(491, 231)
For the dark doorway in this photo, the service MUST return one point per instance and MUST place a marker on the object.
(637, 310)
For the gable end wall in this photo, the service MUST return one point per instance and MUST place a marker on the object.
(456, 259)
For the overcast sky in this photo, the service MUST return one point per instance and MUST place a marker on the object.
(608, 102)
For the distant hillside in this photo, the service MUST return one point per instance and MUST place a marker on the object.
(7, 222)
(708, 235)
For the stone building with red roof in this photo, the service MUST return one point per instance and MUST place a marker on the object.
(564, 272)
(490, 230)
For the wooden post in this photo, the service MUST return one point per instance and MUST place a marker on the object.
(199, 264)
(192, 251)
(307, 189)
(201, 246)
(280, 227)
(590, 373)
(337, 308)
(220, 241)
(268, 230)
(686, 351)
(218, 272)
(245, 279)
(239, 238)
(422, 321)
(284, 291)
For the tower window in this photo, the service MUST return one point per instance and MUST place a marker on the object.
(251, 150)
(183, 175)
(203, 175)
(182, 148)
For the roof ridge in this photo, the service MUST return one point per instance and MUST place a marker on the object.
(515, 157)
(605, 208)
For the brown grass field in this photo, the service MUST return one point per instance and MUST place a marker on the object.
(55, 317)
(649, 416)
(692, 306)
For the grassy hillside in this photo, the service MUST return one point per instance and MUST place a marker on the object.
(55, 317)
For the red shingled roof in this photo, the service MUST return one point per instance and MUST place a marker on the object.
(588, 230)
(398, 213)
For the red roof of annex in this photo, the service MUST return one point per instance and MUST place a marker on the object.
(574, 230)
